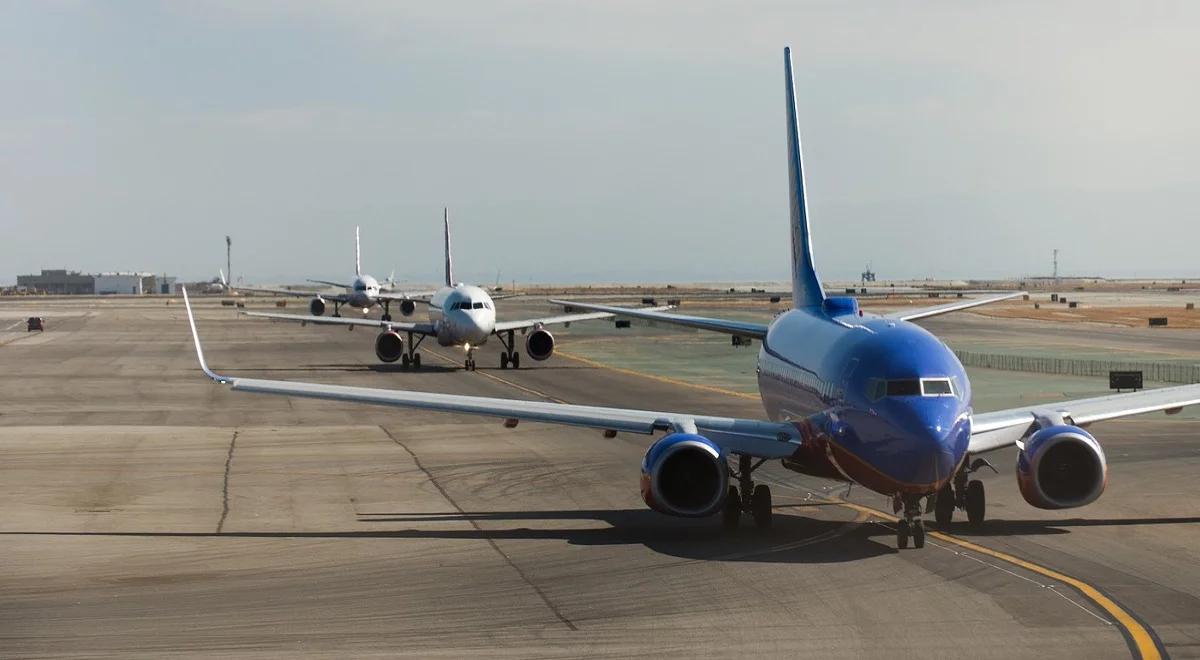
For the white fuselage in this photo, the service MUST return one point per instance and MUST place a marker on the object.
(464, 315)
(364, 292)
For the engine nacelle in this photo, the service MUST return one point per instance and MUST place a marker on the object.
(684, 474)
(539, 344)
(1061, 467)
(316, 306)
(407, 307)
(389, 346)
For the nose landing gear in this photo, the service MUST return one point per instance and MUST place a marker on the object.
(753, 499)
(911, 525)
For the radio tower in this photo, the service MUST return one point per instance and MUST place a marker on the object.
(1056, 265)
(228, 267)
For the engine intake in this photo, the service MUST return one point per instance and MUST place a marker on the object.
(1061, 467)
(316, 306)
(389, 346)
(539, 344)
(684, 474)
(407, 307)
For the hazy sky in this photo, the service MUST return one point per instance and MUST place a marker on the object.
(598, 141)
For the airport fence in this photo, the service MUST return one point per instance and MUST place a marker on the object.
(1161, 372)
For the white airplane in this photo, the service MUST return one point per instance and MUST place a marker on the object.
(363, 293)
(849, 396)
(459, 315)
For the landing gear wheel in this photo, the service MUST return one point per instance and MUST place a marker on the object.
(385, 318)
(404, 361)
(516, 360)
(416, 361)
(760, 506)
(731, 513)
(944, 506)
(918, 533)
(902, 533)
(504, 360)
(976, 502)
(469, 365)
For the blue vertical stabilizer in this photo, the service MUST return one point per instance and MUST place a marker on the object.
(806, 286)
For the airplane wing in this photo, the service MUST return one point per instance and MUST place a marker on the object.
(996, 430)
(739, 328)
(290, 292)
(914, 314)
(505, 326)
(753, 437)
(328, 283)
(418, 297)
(398, 326)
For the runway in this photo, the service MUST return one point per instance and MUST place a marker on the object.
(150, 512)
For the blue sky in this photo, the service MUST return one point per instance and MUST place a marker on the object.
(616, 141)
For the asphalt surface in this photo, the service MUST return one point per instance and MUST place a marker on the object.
(150, 512)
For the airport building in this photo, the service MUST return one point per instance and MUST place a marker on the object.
(64, 282)
(126, 283)
(60, 282)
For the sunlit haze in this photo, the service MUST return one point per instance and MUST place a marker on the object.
(617, 141)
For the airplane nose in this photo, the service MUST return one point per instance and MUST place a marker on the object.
(932, 442)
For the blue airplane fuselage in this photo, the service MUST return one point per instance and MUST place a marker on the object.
(880, 402)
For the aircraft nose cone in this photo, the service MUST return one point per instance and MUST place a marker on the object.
(932, 440)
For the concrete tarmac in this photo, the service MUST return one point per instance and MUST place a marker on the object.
(150, 512)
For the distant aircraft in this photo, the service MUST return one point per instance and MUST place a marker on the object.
(869, 399)
(363, 293)
(459, 315)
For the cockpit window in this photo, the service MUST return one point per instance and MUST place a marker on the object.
(904, 387)
(478, 305)
(936, 387)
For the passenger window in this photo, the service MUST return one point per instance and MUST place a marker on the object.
(906, 387)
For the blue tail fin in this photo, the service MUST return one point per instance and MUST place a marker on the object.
(806, 286)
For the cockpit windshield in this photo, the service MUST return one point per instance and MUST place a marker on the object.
(877, 388)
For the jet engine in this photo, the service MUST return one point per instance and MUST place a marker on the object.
(1060, 467)
(316, 306)
(389, 346)
(684, 474)
(539, 344)
(407, 307)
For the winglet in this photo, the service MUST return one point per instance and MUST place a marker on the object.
(196, 340)
(806, 286)
(449, 265)
(357, 255)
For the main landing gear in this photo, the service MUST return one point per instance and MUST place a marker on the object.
(753, 499)
(411, 357)
(964, 493)
(387, 314)
(510, 356)
(337, 309)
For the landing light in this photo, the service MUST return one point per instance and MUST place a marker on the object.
(467, 347)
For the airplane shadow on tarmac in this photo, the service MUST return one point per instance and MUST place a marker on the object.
(791, 539)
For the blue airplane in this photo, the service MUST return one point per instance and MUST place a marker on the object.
(869, 399)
